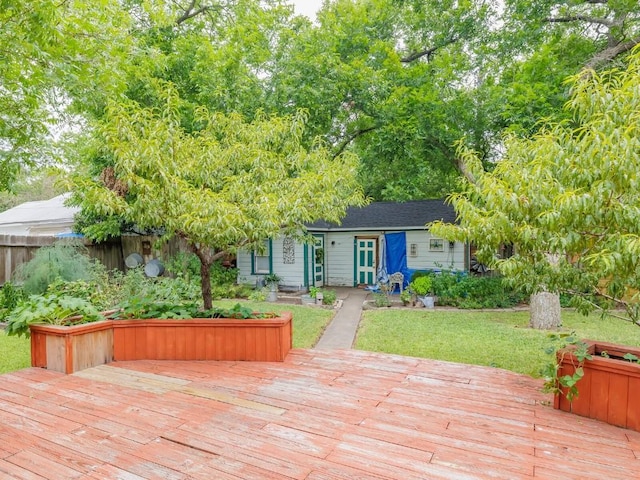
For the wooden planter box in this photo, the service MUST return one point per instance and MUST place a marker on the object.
(70, 349)
(74, 348)
(610, 388)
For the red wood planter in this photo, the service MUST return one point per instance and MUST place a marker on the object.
(610, 388)
(70, 349)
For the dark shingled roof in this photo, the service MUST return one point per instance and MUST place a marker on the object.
(392, 216)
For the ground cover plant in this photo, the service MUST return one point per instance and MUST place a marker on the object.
(498, 339)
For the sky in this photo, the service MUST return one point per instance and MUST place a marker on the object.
(307, 7)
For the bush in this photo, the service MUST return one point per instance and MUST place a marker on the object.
(465, 291)
(381, 300)
(59, 261)
(329, 297)
(10, 296)
(422, 285)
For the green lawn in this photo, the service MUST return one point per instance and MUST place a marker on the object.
(308, 322)
(499, 339)
(15, 353)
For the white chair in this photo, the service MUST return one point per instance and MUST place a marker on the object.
(396, 278)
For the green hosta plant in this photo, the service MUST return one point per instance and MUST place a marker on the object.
(50, 309)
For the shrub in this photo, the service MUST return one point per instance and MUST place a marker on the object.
(381, 300)
(61, 260)
(10, 296)
(422, 285)
(465, 291)
(329, 297)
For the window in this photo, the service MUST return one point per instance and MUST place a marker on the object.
(413, 250)
(436, 245)
(261, 260)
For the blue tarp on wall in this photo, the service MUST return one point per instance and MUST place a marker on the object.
(396, 253)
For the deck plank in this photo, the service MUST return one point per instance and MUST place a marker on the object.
(320, 415)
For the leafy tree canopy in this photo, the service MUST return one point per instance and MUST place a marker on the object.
(567, 198)
(230, 184)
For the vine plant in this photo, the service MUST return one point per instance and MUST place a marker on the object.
(554, 383)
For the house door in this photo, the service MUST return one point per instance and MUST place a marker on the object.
(318, 261)
(366, 254)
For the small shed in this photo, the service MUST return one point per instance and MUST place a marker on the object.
(382, 237)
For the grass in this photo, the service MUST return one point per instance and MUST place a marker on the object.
(498, 339)
(308, 322)
(15, 353)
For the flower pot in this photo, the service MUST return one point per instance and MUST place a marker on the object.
(70, 349)
(610, 387)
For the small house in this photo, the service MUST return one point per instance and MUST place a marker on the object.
(380, 238)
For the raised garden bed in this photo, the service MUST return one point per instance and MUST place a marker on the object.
(68, 349)
(610, 388)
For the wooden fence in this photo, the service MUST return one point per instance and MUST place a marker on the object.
(17, 249)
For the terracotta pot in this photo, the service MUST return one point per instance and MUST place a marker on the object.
(610, 388)
(73, 348)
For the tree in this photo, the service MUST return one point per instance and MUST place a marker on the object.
(49, 52)
(568, 198)
(228, 185)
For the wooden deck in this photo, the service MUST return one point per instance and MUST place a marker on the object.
(320, 415)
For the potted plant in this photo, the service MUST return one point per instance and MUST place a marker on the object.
(272, 281)
(597, 380)
(421, 287)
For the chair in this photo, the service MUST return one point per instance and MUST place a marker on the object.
(396, 278)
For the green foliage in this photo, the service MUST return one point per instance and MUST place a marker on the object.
(59, 261)
(205, 188)
(145, 308)
(10, 297)
(329, 297)
(381, 300)
(567, 198)
(405, 296)
(422, 285)
(50, 309)
(16, 353)
(259, 295)
(468, 291)
(565, 344)
(272, 278)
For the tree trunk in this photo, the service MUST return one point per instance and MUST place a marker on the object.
(544, 311)
(205, 278)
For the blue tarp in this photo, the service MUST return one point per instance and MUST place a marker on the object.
(396, 254)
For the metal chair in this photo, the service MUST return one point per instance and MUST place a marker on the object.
(396, 278)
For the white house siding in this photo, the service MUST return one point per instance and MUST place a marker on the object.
(339, 258)
(448, 258)
(292, 274)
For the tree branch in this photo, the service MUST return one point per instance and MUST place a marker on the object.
(610, 53)
(351, 138)
(190, 12)
(428, 52)
(581, 18)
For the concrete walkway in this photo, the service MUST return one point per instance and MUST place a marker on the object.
(341, 332)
